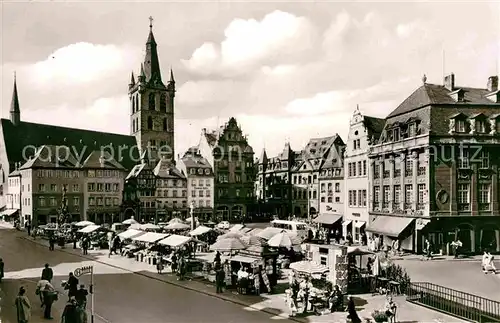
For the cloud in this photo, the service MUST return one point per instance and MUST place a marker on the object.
(277, 37)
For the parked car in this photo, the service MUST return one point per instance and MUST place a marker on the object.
(224, 225)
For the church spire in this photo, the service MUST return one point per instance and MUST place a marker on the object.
(151, 61)
(15, 112)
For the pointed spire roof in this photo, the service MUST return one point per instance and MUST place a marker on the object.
(132, 78)
(151, 61)
(172, 80)
(263, 156)
(14, 105)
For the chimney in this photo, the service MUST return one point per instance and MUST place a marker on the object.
(449, 82)
(493, 83)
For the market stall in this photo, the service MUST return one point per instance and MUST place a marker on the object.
(150, 227)
(149, 252)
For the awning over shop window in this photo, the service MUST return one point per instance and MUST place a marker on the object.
(9, 212)
(150, 237)
(328, 219)
(359, 224)
(346, 223)
(390, 226)
(175, 240)
(130, 234)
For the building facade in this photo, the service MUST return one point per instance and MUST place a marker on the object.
(200, 183)
(103, 182)
(331, 183)
(435, 169)
(142, 179)
(274, 185)
(171, 191)
(306, 174)
(363, 132)
(13, 195)
(232, 159)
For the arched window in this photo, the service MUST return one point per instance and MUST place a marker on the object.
(163, 102)
(152, 101)
(164, 124)
(133, 105)
(150, 123)
(137, 103)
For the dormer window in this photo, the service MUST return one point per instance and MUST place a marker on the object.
(480, 126)
(412, 130)
(396, 134)
(460, 126)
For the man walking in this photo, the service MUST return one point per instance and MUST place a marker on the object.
(52, 242)
(81, 296)
(23, 306)
(47, 273)
(48, 299)
(72, 285)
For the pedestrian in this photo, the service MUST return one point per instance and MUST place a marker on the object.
(52, 242)
(2, 269)
(23, 306)
(71, 313)
(159, 264)
(457, 244)
(41, 286)
(256, 283)
(428, 249)
(47, 273)
(85, 245)
(49, 296)
(75, 240)
(81, 296)
(219, 280)
(351, 311)
(28, 227)
(306, 287)
(72, 285)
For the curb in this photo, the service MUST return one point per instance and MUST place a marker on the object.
(214, 295)
(436, 260)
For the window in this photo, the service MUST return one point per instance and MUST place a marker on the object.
(107, 187)
(76, 201)
(408, 166)
(200, 193)
(353, 169)
(207, 193)
(53, 201)
(376, 171)
(363, 198)
(463, 197)
(91, 187)
(100, 201)
(480, 126)
(108, 201)
(364, 167)
(337, 199)
(387, 193)
(116, 201)
(41, 201)
(484, 197)
(100, 187)
(397, 194)
(323, 199)
(337, 187)
(165, 124)
(323, 187)
(41, 187)
(484, 158)
(163, 102)
(150, 123)
(76, 187)
(53, 187)
(411, 130)
(354, 143)
(152, 103)
(421, 194)
(350, 169)
(396, 134)
(408, 196)
(376, 195)
(193, 193)
(359, 168)
(463, 159)
(354, 198)
(237, 192)
(460, 125)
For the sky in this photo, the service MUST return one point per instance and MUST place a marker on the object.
(287, 71)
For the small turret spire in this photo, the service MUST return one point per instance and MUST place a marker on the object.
(150, 23)
(172, 75)
(15, 112)
(132, 79)
(142, 75)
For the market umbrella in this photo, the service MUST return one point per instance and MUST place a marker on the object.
(130, 221)
(136, 226)
(283, 240)
(253, 240)
(84, 223)
(355, 251)
(177, 226)
(228, 244)
(308, 267)
(150, 226)
(175, 220)
(230, 235)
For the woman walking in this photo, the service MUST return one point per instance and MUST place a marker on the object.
(23, 307)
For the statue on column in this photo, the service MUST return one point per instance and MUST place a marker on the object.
(191, 213)
(63, 210)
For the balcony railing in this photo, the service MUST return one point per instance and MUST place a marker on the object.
(484, 206)
(407, 206)
(387, 174)
(376, 205)
(420, 206)
(376, 175)
(421, 171)
(408, 172)
(385, 205)
(464, 206)
(397, 172)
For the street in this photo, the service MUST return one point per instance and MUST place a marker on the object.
(465, 276)
(120, 296)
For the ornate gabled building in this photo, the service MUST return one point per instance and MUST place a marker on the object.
(142, 204)
(435, 169)
(232, 159)
(152, 107)
(364, 131)
(171, 191)
(274, 185)
(306, 173)
(331, 183)
(200, 183)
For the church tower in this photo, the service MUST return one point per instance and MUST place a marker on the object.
(15, 112)
(152, 106)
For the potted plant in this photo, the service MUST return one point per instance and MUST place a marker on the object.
(380, 316)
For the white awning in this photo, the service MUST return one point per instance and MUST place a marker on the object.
(130, 233)
(90, 229)
(175, 240)
(200, 230)
(236, 227)
(328, 219)
(150, 237)
(359, 224)
(9, 212)
(245, 259)
(346, 223)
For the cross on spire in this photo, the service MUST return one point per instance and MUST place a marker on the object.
(150, 22)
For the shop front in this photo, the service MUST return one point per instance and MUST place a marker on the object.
(394, 228)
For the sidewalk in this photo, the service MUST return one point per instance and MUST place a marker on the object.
(272, 304)
(437, 258)
(6, 225)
